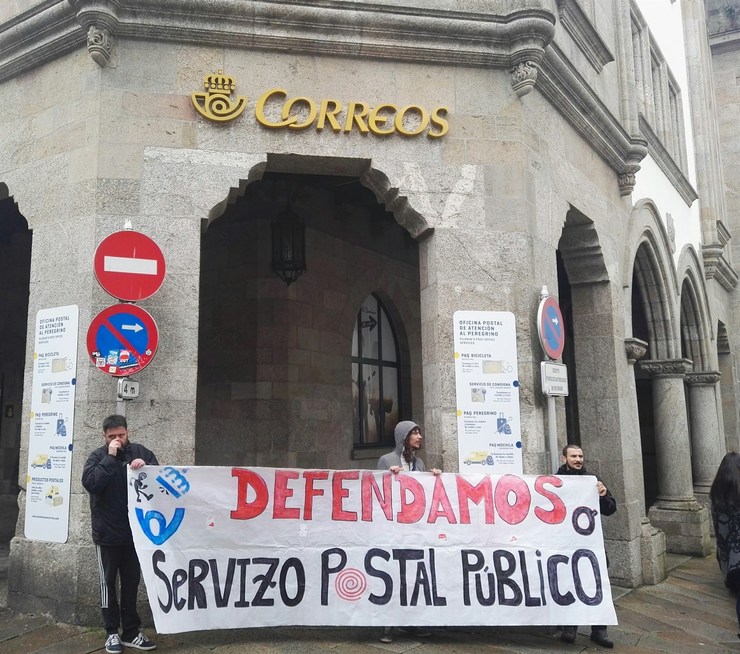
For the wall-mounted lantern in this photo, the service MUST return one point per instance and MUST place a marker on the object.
(288, 246)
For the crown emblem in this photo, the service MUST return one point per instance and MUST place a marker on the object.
(219, 82)
(216, 103)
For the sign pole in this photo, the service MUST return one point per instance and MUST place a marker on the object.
(552, 338)
(552, 427)
(552, 433)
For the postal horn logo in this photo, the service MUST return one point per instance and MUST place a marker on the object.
(216, 103)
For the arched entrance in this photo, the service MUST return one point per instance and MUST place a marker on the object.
(15, 267)
(730, 415)
(275, 354)
(702, 382)
(600, 410)
(659, 383)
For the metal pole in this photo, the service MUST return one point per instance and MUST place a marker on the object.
(552, 433)
(552, 430)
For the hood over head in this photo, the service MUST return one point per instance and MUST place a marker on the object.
(402, 430)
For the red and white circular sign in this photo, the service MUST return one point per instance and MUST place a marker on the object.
(129, 265)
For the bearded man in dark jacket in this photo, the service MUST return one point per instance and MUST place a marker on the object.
(105, 478)
(573, 465)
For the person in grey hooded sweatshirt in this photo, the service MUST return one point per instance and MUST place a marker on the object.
(408, 442)
(403, 459)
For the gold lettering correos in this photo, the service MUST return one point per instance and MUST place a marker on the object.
(274, 109)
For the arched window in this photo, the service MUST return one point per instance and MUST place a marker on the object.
(374, 375)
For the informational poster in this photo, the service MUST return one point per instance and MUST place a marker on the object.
(487, 386)
(52, 424)
(227, 548)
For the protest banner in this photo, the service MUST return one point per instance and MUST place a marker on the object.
(228, 548)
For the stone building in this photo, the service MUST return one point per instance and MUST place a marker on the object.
(427, 156)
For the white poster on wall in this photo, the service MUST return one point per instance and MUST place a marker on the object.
(52, 424)
(487, 387)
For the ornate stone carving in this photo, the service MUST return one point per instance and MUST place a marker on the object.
(666, 368)
(717, 267)
(671, 229)
(635, 349)
(523, 77)
(626, 182)
(99, 44)
(704, 378)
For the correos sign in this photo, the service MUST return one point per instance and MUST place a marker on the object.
(276, 109)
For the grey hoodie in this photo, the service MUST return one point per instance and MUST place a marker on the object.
(394, 458)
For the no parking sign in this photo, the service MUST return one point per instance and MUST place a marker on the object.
(550, 327)
(122, 340)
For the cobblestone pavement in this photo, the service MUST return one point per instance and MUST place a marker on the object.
(689, 613)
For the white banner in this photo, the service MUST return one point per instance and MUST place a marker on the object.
(224, 548)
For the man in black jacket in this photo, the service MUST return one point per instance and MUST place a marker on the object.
(104, 477)
(573, 465)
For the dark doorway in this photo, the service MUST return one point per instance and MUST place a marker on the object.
(15, 267)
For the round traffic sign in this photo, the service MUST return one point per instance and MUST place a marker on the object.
(550, 327)
(122, 340)
(129, 265)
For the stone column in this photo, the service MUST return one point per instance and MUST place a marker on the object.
(676, 512)
(652, 539)
(706, 450)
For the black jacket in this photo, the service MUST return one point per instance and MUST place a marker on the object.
(607, 503)
(104, 477)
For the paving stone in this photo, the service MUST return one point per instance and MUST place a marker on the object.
(689, 613)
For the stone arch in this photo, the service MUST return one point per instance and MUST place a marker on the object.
(696, 329)
(660, 379)
(580, 265)
(393, 196)
(313, 346)
(648, 263)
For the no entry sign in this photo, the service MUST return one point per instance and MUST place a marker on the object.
(122, 340)
(129, 265)
(550, 327)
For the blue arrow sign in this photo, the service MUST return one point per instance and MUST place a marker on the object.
(122, 339)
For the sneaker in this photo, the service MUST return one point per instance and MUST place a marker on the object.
(140, 642)
(387, 636)
(419, 632)
(569, 634)
(113, 644)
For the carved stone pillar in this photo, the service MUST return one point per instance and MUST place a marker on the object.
(652, 539)
(705, 432)
(676, 512)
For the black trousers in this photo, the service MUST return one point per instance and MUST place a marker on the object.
(119, 561)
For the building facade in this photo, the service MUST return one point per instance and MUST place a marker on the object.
(426, 157)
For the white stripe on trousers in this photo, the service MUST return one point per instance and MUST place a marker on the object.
(103, 585)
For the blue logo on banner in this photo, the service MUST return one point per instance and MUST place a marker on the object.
(164, 530)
